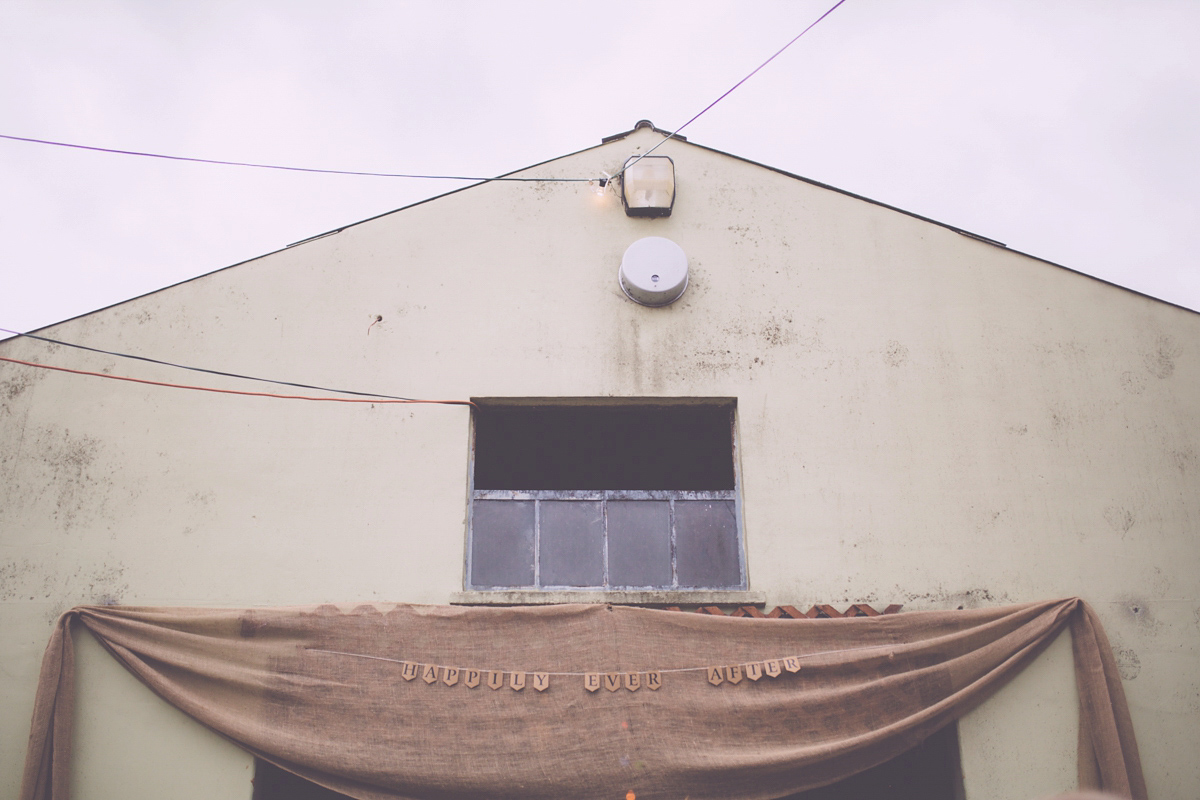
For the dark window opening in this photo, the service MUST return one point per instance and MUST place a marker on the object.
(628, 446)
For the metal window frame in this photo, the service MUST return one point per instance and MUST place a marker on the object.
(603, 496)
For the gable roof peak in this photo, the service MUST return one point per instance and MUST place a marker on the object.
(641, 123)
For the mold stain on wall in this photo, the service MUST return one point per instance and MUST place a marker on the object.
(895, 354)
(742, 347)
(69, 459)
(56, 475)
(946, 598)
(1119, 519)
(14, 387)
(1160, 359)
(1128, 663)
(26, 580)
(1137, 611)
(1132, 382)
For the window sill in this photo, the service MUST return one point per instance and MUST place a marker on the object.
(637, 597)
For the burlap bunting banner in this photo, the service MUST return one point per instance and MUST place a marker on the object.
(722, 675)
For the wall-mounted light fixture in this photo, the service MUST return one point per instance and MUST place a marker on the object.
(648, 186)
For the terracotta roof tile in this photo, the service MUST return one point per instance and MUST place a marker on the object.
(818, 611)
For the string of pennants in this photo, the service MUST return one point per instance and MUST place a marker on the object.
(723, 675)
(592, 681)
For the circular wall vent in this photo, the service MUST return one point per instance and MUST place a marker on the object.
(654, 271)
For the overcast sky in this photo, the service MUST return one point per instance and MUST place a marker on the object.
(1069, 130)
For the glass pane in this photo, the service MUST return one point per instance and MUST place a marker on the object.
(502, 543)
(706, 544)
(639, 543)
(572, 542)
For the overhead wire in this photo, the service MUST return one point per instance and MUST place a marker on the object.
(222, 373)
(200, 369)
(730, 90)
(372, 400)
(603, 181)
(288, 168)
(376, 397)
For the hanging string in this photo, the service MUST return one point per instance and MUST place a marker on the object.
(582, 674)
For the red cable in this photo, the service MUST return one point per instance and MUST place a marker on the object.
(233, 391)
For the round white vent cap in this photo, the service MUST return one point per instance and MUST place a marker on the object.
(654, 271)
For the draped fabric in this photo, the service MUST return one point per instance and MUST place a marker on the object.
(322, 692)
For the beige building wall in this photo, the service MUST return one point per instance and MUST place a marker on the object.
(924, 418)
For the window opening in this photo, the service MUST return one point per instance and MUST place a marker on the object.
(605, 494)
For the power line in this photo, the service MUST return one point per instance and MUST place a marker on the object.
(731, 89)
(234, 391)
(288, 168)
(603, 181)
(378, 397)
(208, 371)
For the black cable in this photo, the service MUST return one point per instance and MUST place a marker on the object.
(202, 369)
(603, 181)
(730, 91)
(290, 169)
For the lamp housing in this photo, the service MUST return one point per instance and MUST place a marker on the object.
(648, 186)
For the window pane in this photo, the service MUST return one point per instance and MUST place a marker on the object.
(639, 543)
(706, 542)
(502, 543)
(572, 543)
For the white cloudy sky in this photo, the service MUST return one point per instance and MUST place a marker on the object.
(1066, 129)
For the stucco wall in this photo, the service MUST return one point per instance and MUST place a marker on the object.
(924, 418)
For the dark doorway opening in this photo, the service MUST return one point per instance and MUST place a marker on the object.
(929, 771)
(273, 783)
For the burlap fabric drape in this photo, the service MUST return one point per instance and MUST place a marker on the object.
(868, 689)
